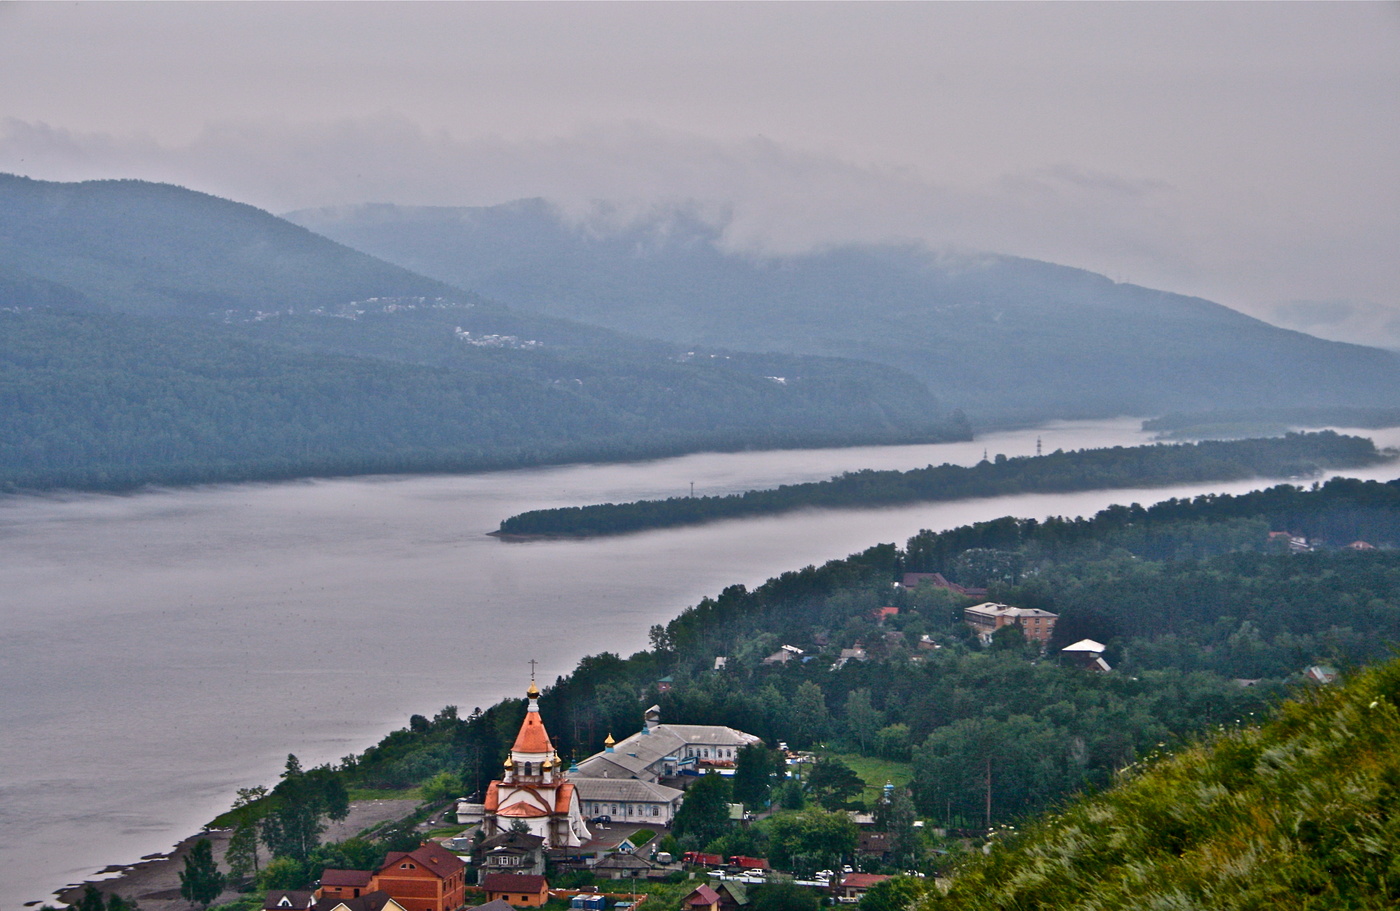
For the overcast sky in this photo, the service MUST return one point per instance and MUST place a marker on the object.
(1249, 153)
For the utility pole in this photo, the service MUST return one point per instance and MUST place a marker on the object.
(988, 763)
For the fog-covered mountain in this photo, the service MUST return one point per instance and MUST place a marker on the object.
(152, 334)
(1004, 338)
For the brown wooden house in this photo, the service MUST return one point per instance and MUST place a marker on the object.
(520, 890)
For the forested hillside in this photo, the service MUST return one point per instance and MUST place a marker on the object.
(156, 335)
(1000, 337)
(111, 401)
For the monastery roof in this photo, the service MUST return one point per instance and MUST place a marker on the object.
(628, 789)
(522, 810)
(632, 757)
(532, 800)
(1084, 645)
(533, 738)
(563, 795)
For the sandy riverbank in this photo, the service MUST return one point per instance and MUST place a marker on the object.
(154, 881)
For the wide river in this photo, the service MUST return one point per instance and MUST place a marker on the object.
(160, 650)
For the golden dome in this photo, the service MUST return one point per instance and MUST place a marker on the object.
(510, 763)
(533, 692)
(609, 742)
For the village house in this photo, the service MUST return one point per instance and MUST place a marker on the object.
(370, 901)
(428, 878)
(624, 865)
(784, 654)
(289, 900)
(341, 884)
(852, 886)
(733, 895)
(520, 890)
(1085, 653)
(988, 617)
(510, 852)
(701, 898)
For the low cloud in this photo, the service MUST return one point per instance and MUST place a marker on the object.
(769, 196)
(1359, 322)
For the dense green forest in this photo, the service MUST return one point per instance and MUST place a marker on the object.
(1293, 455)
(1209, 621)
(111, 401)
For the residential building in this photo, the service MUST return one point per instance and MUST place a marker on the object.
(624, 865)
(852, 886)
(510, 852)
(988, 617)
(341, 884)
(285, 900)
(1085, 653)
(701, 898)
(520, 890)
(370, 901)
(428, 878)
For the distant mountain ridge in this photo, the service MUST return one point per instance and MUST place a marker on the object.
(151, 334)
(156, 249)
(1004, 338)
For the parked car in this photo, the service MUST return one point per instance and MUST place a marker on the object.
(601, 819)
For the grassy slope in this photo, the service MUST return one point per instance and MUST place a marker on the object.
(1298, 813)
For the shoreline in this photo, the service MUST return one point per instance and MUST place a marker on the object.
(153, 881)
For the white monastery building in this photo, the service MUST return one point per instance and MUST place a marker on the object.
(534, 788)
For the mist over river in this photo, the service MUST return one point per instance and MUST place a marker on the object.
(161, 649)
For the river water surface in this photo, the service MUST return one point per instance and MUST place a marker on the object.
(160, 650)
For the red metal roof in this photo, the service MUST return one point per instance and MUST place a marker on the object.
(533, 738)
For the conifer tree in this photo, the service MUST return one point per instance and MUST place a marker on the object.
(201, 882)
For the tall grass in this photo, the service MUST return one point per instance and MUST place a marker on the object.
(1302, 812)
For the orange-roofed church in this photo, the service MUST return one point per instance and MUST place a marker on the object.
(534, 789)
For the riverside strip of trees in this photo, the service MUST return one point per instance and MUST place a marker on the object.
(1292, 455)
